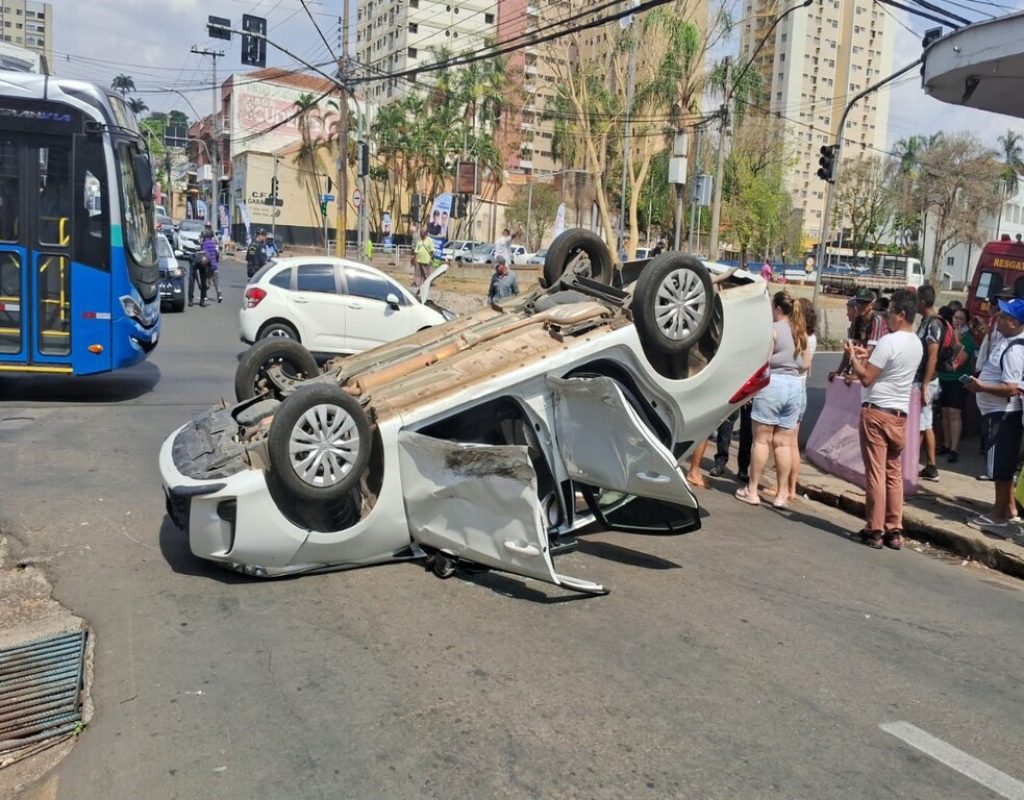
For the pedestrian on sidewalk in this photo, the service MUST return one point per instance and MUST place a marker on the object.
(997, 391)
(777, 407)
(811, 321)
(953, 393)
(931, 332)
(887, 379)
(854, 311)
(422, 255)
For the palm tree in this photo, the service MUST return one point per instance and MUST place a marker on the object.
(1012, 145)
(307, 108)
(124, 84)
(137, 105)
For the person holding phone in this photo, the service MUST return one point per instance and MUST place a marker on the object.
(997, 390)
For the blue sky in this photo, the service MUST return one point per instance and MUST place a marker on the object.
(95, 41)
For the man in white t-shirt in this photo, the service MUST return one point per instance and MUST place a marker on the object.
(887, 377)
(503, 246)
(996, 389)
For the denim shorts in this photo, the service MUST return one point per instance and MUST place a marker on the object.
(780, 403)
(927, 409)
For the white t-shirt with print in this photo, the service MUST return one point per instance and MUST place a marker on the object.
(897, 355)
(998, 369)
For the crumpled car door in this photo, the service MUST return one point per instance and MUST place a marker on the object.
(478, 502)
(630, 479)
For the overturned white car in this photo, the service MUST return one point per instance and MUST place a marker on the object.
(486, 438)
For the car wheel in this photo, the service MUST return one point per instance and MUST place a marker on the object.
(294, 359)
(179, 306)
(581, 252)
(319, 443)
(278, 330)
(673, 303)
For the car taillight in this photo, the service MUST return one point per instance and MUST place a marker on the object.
(253, 295)
(753, 385)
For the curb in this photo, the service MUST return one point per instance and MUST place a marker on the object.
(946, 538)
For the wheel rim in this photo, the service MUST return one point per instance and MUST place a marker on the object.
(278, 333)
(323, 445)
(680, 304)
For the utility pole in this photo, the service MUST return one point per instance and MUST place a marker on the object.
(215, 129)
(630, 71)
(273, 211)
(693, 197)
(716, 208)
(343, 87)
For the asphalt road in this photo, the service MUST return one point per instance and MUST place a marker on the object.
(755, 658)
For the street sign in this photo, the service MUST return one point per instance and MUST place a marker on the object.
(356, 198)
(327, 198)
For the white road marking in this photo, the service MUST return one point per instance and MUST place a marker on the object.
(978, 771)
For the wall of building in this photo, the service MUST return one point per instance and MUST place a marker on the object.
(28, 24)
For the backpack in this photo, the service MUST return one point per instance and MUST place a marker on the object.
(952, 355)
(251, 253)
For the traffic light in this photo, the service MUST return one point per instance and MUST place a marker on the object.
(254, 41)
(827, 162)
(273, 187)
(364, 160)
(323, 208)
(416, 208)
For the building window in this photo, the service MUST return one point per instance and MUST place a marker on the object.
(411, 52)
(414, 28)
(488, 19)
(414, 3)
(950, 261)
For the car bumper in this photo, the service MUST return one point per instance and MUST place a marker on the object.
(230, 516)
(172, 289)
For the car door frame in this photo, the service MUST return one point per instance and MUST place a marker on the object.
(628, 459)
(312, 336)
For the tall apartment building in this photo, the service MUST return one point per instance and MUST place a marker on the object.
(398, 35)
(817, 60)
(28, 25)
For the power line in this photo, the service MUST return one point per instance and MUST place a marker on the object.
(918, 13)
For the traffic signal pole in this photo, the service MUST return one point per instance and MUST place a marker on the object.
(343, 123)
(274, 211)
(837, 163)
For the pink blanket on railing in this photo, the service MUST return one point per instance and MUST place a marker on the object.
(834, 444)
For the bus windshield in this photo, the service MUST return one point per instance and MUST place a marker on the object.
(138, 227)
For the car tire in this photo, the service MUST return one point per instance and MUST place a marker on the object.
(333, 425)
(571, 244)
(673, 303)
(278, 330)
(295, 359)
(179, 306)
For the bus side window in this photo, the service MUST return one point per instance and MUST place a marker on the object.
(91, 245)
(54, 196)
(10, 187)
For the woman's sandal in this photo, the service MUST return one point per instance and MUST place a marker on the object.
(744, 496)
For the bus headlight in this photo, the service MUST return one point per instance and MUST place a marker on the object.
(132, 309)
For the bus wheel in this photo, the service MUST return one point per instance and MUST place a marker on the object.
(251, 377)
(319, 443)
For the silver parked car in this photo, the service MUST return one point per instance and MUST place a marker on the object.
(475, 440)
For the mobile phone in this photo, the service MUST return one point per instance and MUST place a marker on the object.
(964, 379)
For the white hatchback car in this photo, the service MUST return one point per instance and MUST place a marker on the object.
(475, 440)
(332, 305)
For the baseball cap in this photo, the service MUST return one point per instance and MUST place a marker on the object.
(864, 296)
(1013, 308)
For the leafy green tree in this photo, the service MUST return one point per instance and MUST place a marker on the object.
(177, 118)
(533, 208)
(137, 105)
(866, 199)
(1013, 160)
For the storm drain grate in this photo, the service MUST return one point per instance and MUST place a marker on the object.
(40, 684)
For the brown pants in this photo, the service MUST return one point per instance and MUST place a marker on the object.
(881, 446)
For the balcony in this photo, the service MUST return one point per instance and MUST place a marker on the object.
(525, 162)
(530, 69)
(532, 11)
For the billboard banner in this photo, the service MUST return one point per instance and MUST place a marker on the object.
(437, 222)
(243, 212)
(560, 220)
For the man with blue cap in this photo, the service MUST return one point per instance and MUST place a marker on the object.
(996, 387)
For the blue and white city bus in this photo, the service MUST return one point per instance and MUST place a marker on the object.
(79, 278)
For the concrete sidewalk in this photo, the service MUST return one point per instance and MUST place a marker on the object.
(937, 514)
